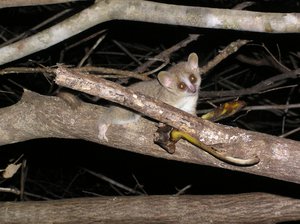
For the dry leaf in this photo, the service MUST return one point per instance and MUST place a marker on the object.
(10, 170)
(224, 110)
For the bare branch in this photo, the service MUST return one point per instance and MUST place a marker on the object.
(87, 69)
(146, 11)
(242, 208)
(266, 84)
(113, 182)
(18, 3)
(165, 55)
(280, 158)
(230, 49)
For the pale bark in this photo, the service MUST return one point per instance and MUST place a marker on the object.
(36, 116)
(18, 3)
(242, 208)
(146, 11)
(279, 158)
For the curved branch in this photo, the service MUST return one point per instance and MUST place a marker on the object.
(146, 11)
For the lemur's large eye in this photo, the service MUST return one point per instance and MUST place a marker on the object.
(193, 78)
(181, 85)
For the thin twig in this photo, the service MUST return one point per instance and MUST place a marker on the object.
(17, 192)
(139, 185)
(113, 182)
(78, 43)
(263, 107)
(165, 55)
(127, 52)
(82, 69)
(289, 133)
(183, 190)
(263, 85)
(91, 50)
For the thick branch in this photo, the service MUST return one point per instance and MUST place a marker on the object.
(146, 11)
(37, 116)
(280, 158)
(243, 208)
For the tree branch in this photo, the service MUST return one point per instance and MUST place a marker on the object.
(146, 11)
(276, 154)
(37, 116)
(242, 208)
(19, 3)
(263, 85)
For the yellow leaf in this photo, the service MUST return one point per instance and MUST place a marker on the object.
(225, 110)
